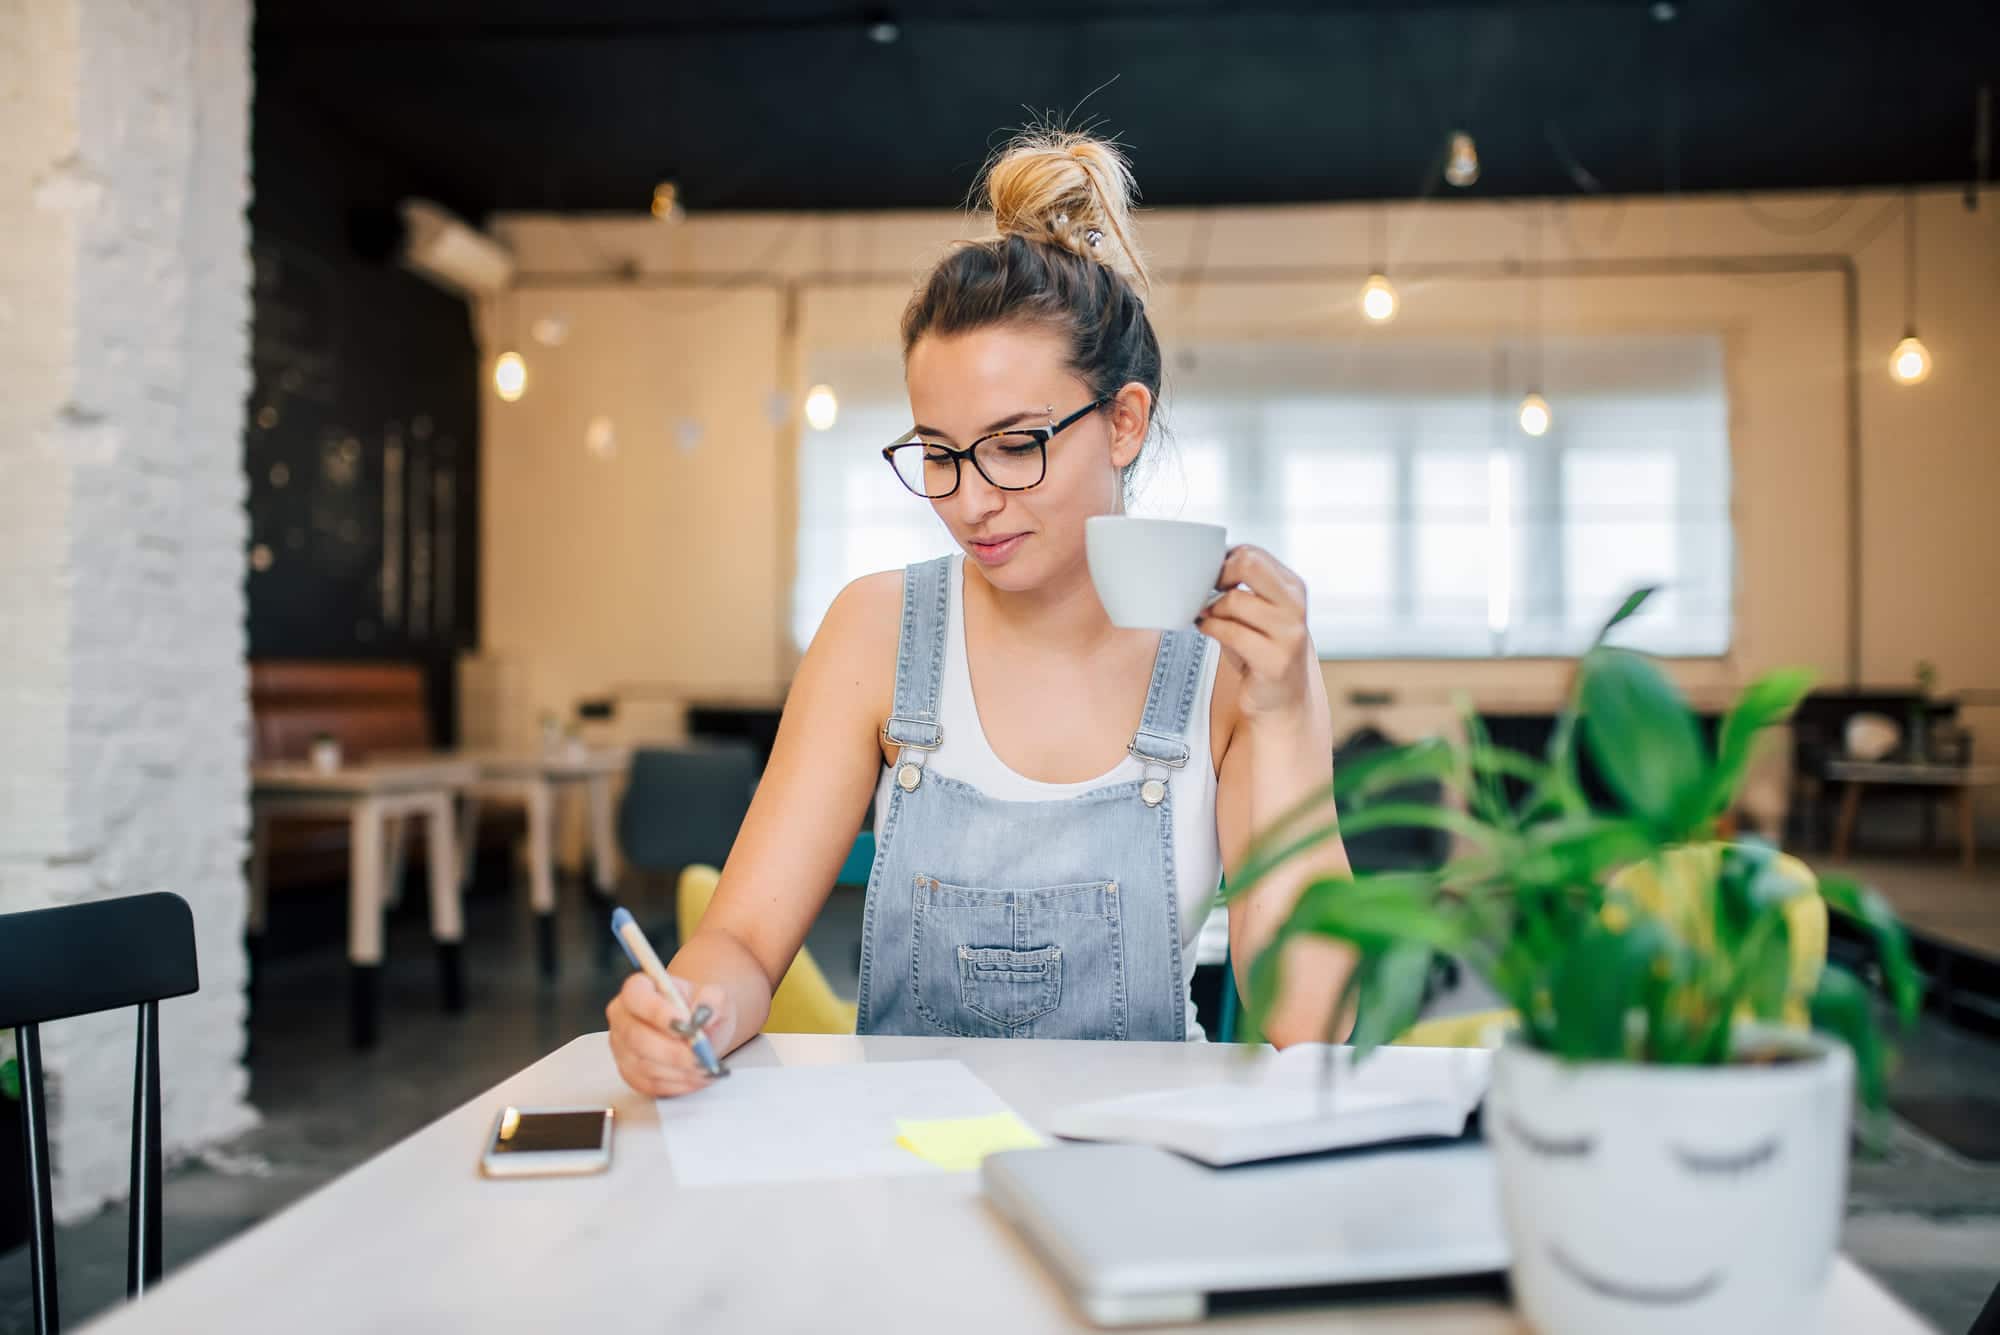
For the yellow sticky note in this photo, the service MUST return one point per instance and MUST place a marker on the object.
(957, 1144)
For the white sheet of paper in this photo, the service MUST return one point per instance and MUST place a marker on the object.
(814, 1123)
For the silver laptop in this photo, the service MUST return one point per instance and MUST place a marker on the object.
(1138, 1235)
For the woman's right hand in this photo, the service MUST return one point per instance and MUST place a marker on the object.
(653, 1059)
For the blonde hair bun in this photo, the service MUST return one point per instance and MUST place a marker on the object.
(1069, 190)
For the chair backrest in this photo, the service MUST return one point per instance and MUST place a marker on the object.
(804, 1002)
(97, 956)
(77, 960)
(366, 707)
(684, 805)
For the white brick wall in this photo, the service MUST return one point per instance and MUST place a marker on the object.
(124, 310)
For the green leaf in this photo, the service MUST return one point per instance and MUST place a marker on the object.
(1487, 794)
(1377, 912)
(1430, 760)
(1768, 700)
(1266, 854)
(1626, 611)
(1765, 971)
(1391, 995)
(1597, 983)
(1500, 761)
(1577, 851)
(1643, 737)
(1841, 1007)
(10, 1078)
(1847, 896)
(1563, 789)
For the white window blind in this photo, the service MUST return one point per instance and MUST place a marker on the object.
(1392, 476)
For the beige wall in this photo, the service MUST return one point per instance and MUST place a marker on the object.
(670, 566)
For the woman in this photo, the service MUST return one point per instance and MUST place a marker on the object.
(1055, 797)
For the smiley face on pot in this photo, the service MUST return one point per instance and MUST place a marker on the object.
(1656, 1199)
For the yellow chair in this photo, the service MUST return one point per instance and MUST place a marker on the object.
(1677, 889)
(805, 1003)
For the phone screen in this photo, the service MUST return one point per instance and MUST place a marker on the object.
(541, 1133)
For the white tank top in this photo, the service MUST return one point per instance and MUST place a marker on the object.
(968, 757)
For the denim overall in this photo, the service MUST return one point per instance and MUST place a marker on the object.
(1002, 919)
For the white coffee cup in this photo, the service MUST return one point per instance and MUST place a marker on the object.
(1153, 574)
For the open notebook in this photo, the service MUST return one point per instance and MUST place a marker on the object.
(1302, 1100)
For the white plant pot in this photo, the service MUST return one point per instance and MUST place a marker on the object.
(325, 756)
(1667, 1200)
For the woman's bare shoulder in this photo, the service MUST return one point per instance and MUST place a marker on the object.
(855, 645)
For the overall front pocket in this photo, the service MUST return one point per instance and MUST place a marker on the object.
(1044, 962)
(1010, 987)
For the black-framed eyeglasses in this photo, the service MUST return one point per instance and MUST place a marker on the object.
(1011, 460)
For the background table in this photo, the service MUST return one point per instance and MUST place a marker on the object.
(416, 1241)
(538, 779)
(1964, 779)
(371, 794)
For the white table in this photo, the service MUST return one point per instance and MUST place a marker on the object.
(538, 780)
(375, 796)
(416, 1241)
(1964, 779)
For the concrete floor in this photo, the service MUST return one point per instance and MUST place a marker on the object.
(1926, 1222)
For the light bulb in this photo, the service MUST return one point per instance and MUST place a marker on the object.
(667, 202)
(1910, 363)
(822, 408)
(600, 438)
(510, 376)
(1378, 299)
(550, 330)
(1462, 167)
(1535, 416)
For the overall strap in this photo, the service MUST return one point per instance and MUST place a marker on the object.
(913, 721)
(1161, 741)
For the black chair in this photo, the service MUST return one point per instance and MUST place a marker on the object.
(1988, 1320)
(63, 962)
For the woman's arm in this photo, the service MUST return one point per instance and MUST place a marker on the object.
(800, 828)
(1280, 750)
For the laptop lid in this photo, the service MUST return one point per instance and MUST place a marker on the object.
(1136, 1234)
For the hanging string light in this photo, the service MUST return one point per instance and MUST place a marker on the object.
(510, 376)
(510, 370)
(1379, 302)
(1378, 299)
(1534, 415)
(1910, 363)
(822, 407)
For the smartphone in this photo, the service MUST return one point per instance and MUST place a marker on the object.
(548, 1142)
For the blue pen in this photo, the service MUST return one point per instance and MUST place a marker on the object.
(640, 951)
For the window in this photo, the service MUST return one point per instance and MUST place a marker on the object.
(1392, 476)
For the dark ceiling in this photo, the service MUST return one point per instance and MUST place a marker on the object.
(583, 104)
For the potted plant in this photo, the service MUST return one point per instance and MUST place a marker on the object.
(1670, 1117)
(325, 752)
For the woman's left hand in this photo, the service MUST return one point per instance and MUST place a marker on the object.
(1260, 622)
